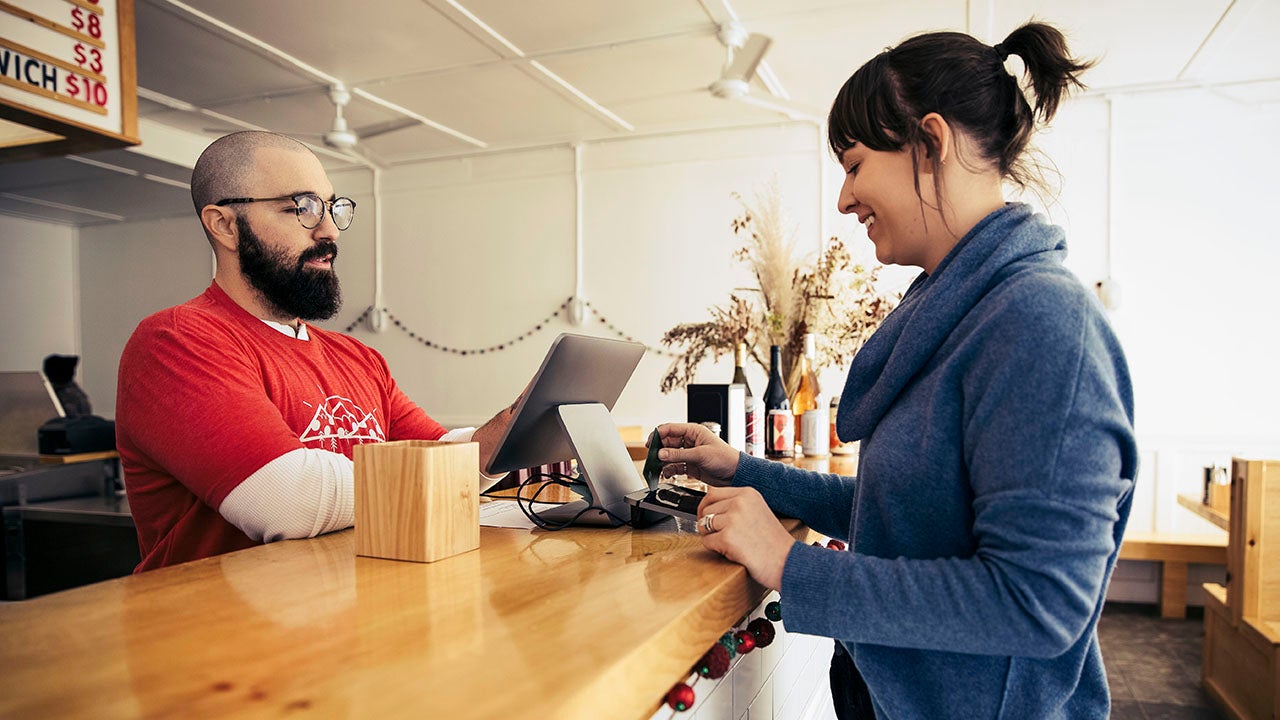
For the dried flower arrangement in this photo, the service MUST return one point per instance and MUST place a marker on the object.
(834, 298)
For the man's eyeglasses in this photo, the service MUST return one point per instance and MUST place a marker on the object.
(310, 208)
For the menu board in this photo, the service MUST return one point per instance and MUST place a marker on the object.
(67, 76)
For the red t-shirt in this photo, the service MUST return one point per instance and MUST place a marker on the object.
(208, 394)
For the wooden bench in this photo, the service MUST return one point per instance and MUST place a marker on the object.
(1174, 552)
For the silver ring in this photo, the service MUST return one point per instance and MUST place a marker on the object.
(708, 522)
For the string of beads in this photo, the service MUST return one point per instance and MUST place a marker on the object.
(715, 662)
(499, 347)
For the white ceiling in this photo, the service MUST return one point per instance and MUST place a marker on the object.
(646, 65)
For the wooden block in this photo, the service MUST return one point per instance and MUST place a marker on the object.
(632, 433)
(1253, 552)
(417, 500)
(1220, 497)
(638, 450)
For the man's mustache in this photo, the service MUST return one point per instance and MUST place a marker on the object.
(323, 249)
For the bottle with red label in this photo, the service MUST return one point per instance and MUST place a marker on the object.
(779, 428)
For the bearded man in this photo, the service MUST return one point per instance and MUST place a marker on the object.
(235, 420)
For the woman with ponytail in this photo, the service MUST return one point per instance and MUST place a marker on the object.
(993, 405)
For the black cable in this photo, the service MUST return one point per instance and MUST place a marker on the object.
(560, 480)
(556, 479)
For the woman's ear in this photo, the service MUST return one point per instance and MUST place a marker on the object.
(220, 225)
(939, 141)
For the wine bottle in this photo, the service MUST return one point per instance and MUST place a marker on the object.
(779, 429)
(754, 444)
(806, 398)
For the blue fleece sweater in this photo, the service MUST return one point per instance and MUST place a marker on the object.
(996, 419)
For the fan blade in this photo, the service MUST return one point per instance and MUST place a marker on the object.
(791, 110)
(747, 58)
(383, 128)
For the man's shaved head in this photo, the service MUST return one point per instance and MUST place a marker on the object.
(224, 168)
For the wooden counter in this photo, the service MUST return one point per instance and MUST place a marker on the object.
(581, 623)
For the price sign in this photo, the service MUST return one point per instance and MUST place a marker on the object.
(66, 70)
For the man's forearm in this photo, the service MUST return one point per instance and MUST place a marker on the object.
(302, 493)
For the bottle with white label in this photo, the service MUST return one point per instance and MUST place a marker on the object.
(806, 397)
(755, 422)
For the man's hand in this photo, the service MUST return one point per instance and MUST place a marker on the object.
(491, 432)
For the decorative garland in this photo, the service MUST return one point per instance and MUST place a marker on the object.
(537, 328)
(716, 661)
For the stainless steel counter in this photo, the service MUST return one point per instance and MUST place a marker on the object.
(65, 525)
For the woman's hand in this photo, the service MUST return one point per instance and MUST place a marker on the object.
(737, 523)
(703, 454)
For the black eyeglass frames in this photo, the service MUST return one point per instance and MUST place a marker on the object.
(310, 208)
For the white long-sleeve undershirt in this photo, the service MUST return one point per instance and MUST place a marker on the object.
(304, 493)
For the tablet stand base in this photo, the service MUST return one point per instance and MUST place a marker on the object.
(603, 463)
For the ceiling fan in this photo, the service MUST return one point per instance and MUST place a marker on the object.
(743, 53)
(340, 135)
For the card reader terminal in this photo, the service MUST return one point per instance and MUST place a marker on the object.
(669, 499)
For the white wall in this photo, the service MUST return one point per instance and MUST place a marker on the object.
(1196, 251)
(39, 307)
(1192, 250)
(129, 271)
(479, 251)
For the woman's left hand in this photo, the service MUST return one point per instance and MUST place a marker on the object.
(737, 523)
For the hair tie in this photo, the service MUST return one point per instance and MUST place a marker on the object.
(1001, 50)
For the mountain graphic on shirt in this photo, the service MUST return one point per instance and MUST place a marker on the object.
(338, 418)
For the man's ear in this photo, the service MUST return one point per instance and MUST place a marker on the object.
(939, 139)
(220, 225)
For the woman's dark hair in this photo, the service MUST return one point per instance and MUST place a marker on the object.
(964, 81)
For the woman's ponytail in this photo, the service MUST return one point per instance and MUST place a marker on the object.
(1052, 70)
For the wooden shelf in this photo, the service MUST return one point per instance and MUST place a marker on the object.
(79, 457)
(1196, 506)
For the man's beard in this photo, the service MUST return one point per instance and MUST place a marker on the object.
(288, 285)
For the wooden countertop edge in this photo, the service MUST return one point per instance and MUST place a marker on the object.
(672, 655)
(638, 684)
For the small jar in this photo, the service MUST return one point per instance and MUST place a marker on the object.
(815, 433)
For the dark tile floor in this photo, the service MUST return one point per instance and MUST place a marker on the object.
(1153, 665)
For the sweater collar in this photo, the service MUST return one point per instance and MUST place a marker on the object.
(932, 308)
